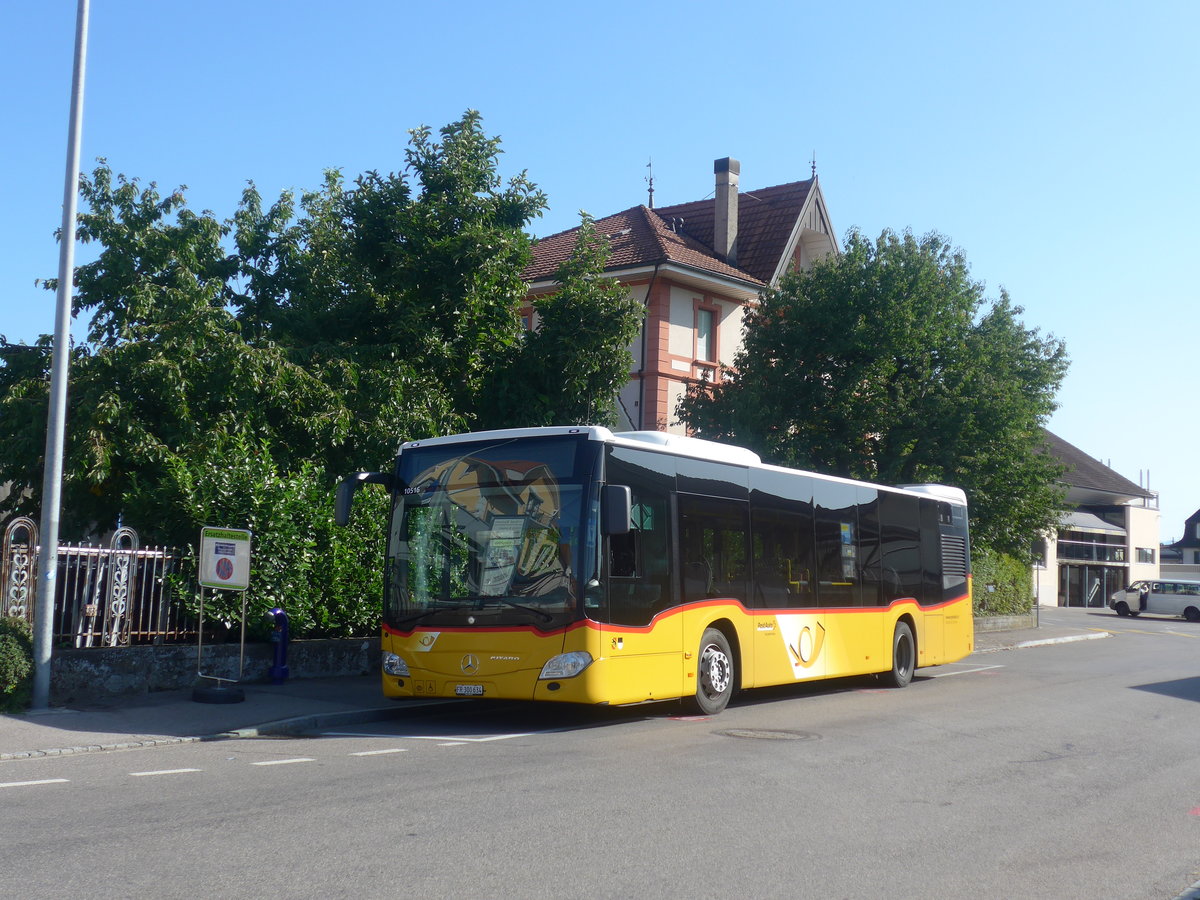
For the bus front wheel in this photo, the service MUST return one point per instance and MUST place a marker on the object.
(714, 674)
(904, 656)
(1192, 614)
(1122, 608)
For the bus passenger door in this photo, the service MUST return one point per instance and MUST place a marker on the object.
(641, 636)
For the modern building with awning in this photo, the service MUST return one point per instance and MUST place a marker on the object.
(1107, 540)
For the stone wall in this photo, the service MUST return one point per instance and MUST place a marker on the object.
(1005, 623)
(96, 673)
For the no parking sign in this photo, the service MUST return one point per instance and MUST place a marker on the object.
(225, 558)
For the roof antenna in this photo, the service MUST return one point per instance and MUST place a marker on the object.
(650, 181)
(814, 164)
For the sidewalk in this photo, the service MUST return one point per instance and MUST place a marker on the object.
(172, 717)
(1045, 634)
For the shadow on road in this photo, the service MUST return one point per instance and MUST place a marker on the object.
(1182, 688)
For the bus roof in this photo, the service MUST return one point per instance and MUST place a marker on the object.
(677, 444)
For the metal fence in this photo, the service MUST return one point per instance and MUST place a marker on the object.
(111, 596)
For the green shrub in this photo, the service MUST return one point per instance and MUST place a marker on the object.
(1002, 584)
(328, 579)
(16, 664)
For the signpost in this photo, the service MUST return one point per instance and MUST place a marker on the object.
(224, 566)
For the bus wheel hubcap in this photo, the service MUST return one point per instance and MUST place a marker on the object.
(714, 670)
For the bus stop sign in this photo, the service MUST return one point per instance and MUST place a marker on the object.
(225, 558)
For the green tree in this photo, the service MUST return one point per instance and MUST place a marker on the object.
(888, 363)
(572, 365)
(402, 290)
(263, 354)
(164, 367)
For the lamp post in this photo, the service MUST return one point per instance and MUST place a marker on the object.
(43, 635)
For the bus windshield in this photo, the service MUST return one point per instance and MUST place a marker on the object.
(499, 533)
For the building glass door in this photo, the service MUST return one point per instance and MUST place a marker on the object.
(1089, 586)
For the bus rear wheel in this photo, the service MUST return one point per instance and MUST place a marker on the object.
(715, 675)
(904, 656)
(1192, 614)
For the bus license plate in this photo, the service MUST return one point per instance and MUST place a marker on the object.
(468, 690)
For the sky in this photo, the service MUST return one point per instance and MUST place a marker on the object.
(1055, 143)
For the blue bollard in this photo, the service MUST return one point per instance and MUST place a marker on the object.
(279, 637)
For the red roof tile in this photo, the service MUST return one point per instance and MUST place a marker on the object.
(683, 234)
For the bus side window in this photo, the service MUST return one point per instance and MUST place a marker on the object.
(623, 553)
(712, 542)
(638, 563)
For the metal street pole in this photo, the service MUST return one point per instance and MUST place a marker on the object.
(43, 635)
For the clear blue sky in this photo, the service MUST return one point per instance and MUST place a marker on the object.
(1055, 143)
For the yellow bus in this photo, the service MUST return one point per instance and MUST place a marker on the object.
(580, 565)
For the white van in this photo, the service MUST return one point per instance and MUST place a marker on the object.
(1164, 598)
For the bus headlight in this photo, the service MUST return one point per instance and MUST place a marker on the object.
(394, 665)
(566, 665)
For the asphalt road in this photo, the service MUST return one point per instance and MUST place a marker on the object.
(1068, 771)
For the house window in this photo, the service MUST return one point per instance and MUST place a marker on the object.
(706, 337)
(1145, 554)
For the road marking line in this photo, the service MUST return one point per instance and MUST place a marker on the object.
(453, 744)
(462, 739)
(963, 672)
(31, 783)
(284, 762)
(163, 772)
(380, 752)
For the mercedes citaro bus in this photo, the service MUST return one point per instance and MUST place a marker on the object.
(579, 565)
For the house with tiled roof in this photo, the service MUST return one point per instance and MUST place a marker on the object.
(696, 266)
(1181, 559)
(1108, 539)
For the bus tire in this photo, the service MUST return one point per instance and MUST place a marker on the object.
(1122, 608)
(1192, 614)
(715, 675)
(904, 656)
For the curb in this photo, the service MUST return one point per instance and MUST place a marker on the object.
(1068, 639)
(301, 724)
(98, 748)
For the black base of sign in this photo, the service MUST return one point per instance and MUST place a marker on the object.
(219, 693)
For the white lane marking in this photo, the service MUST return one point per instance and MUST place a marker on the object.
(31, 783)
(380, 752)
(963, 672)
(462, 739)
(284, 762)
(163, 772)
(453, 744)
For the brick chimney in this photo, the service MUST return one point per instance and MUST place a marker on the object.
(725, 221)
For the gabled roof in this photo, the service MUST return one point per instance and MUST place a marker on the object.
(1190, 539)
(1090, 474)
(636, 237)
(683, 234)
(766, 218)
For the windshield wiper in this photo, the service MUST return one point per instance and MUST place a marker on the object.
(541, 613)
(429, 612)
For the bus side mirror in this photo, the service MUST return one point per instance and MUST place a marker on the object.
(348, 487)
(615, 508)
